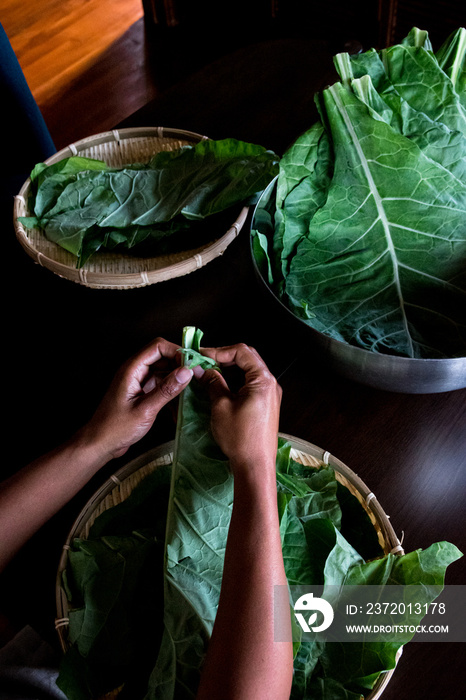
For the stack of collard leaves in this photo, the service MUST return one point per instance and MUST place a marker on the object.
(155, 208)
(144, 587)
(368, 241)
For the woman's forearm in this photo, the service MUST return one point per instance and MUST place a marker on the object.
(33, 495)
(243, 659)
(140, 389)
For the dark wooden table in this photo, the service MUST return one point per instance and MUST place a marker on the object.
(64, 343)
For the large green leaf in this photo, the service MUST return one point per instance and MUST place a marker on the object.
(82, 206)
(435, 93)
(199, 512)
(330, 669)
(357, 665)
(49, 181)
(112, 586)
(369, 241)
(383, 264)
(302, 184)
(452, 59)
(419, 114)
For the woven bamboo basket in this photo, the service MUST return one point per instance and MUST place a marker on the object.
(120, 485)
(110, 270)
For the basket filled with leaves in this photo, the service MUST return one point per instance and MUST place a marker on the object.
(132, 207)
(139, 580)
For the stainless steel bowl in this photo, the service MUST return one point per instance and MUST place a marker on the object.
(388, 372)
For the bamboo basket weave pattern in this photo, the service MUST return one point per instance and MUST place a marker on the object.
(109, 270)
(116, 489)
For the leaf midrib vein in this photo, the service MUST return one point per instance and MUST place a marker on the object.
(380, 209)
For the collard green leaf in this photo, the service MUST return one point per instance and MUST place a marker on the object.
(191, 350)
(330, 669)
(415, 113)
(369, 241)
(310, 515)
(48, 182)
(382, 265)
(357, 665)
(302, 187)
(115, 599)
(194, 358)
(414, 74)
(451, 58)
(418, 37)
(198, 519)
(81, 204)
(435, 94)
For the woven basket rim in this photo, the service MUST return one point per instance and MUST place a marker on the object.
(163, 454)
(144, 271)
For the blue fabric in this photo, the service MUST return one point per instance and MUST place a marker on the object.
(25, 138)
(26, 134)
(28, 669)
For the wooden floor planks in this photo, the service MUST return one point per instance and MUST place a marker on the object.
(85, 61)
(92, 63)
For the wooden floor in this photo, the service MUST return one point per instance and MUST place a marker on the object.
(92, 63)
(85, 61)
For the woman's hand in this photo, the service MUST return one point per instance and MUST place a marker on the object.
(142, 386)
(244, 423)
(145, 384)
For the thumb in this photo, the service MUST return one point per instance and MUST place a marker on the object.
(172, 385)
(215, 385)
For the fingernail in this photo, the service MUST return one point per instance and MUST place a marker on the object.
(183, 375)
(198, 372)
